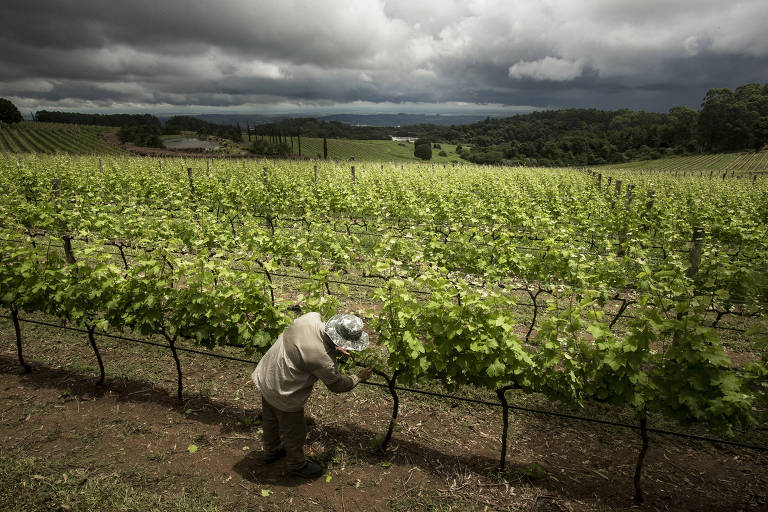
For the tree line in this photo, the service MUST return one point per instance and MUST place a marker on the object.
(729, 120)
(314, 128)
(116, 120)
(178, 124)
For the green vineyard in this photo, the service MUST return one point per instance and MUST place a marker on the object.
(646, 291)
(732, 162)
(52, 138)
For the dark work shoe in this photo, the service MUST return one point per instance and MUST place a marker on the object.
(309, 470)
(279, 454)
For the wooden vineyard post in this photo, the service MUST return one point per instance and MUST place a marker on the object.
(622, 234)
(650, 198)
(694, 259)
(271, 221)
(754, 178)
(56, 188)
(207, 164)
(651, 195)
(501, 394)
(191, 181)
(68, 254)
(56, 194)
(160, 164)
(610, 179)
(101, 165)
(353, 174)
(599, 180)
(695, 254)
(630, 189)
(315, 173)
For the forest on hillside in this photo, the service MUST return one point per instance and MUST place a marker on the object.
(729, 120)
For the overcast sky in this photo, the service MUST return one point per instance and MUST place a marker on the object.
(375, 55)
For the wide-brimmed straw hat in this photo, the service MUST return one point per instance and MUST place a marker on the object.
(346, 331)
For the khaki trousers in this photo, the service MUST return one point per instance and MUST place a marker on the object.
(284, 430)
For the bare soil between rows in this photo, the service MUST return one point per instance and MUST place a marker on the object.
(442, 456)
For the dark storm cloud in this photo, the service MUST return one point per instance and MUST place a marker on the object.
(172, 54)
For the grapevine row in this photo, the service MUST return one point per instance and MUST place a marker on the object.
(208, 279)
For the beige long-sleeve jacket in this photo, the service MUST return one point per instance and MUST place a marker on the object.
(288, 371)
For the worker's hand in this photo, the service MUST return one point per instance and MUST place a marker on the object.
(343, 351)
(365, 374)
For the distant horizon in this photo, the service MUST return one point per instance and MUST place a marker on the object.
(466, 117)
(321, 113)
(313, 112)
